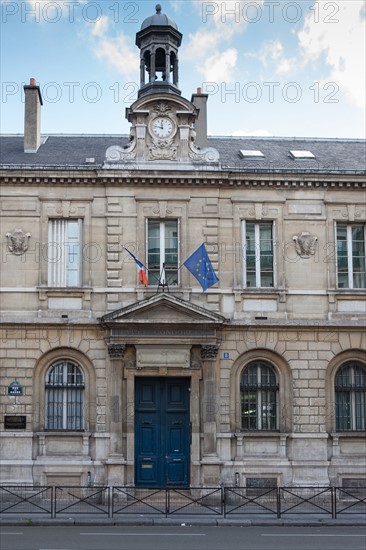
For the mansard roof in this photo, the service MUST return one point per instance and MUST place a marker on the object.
(72, 151)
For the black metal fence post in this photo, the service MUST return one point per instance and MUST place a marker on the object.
(53, 502)
(110, 501)
(335, 502)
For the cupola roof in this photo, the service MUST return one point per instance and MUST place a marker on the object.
(158, 20)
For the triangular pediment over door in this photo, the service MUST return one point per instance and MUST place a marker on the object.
(163, 316)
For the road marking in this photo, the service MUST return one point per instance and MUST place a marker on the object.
(4, 533)
(143, 534)
(303, 535)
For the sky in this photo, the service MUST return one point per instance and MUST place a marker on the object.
(270, 68)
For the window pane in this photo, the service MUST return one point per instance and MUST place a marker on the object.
(153, 258)
(343, 410)
(342, 256)
(250, 252)
(73, 246)
(249, 410)
(358, 257)
(171, 252)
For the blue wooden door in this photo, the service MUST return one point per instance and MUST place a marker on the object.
(162, 432)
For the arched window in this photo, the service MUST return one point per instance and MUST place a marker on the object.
(350, 397)
(259, 397)
(64, 397)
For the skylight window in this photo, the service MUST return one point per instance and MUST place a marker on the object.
(251, 154)
(301, 154)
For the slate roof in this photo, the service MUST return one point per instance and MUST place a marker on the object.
(71, 152)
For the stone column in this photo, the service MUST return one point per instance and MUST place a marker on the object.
(167, 66)
(152, 67)
(210, 402)
(142, 72)
(175, 72)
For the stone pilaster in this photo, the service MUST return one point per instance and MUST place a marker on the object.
(209, 403)
(114, 410)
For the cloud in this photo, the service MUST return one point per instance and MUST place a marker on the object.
(340, 40)
(100, 26)
(272, 53)
(221, 21)
(219, 67)
(117, 52)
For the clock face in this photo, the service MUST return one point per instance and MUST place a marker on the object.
(162, 127)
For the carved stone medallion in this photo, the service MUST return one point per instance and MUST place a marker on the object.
(305, 244)
(18, 241)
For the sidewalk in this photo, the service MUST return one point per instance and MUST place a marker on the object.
(297, 520)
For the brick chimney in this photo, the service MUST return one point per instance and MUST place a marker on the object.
(199, 100)
(32, 117)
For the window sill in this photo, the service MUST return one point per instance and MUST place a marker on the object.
(63, 433)
(71, 291)
(261, 433)
(348, 433)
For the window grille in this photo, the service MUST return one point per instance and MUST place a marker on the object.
(64, 397)
(350, 398)
(259, 398)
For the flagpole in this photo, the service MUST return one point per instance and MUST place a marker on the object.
(162, 284)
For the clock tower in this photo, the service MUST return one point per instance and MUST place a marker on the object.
(162, 121)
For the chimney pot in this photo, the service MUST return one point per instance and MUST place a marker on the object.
(199, 91)
(32, 82)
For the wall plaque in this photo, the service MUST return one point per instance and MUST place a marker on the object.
(15, 388)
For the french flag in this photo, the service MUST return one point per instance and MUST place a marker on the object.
(141, 269)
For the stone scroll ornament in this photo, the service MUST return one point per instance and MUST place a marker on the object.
(18, 242)
(305, 244)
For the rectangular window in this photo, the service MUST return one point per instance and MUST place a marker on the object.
(258, 255)
(163, 253)
(64, 253)
(351, 264)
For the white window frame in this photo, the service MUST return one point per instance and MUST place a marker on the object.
(162, 248)
(256, 224)
(60, 250)
(349, 251)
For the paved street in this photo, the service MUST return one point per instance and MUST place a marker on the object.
(183, 538)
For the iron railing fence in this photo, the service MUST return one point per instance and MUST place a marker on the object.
(114, 501)
(195, 500)
(248, 500)
(350, 500)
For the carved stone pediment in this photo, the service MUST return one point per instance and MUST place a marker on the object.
(162, 310)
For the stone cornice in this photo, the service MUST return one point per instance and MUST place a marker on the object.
(82, 177)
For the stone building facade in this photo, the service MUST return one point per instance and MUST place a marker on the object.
(259, 379)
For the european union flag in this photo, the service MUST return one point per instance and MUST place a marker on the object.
(200, 266)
